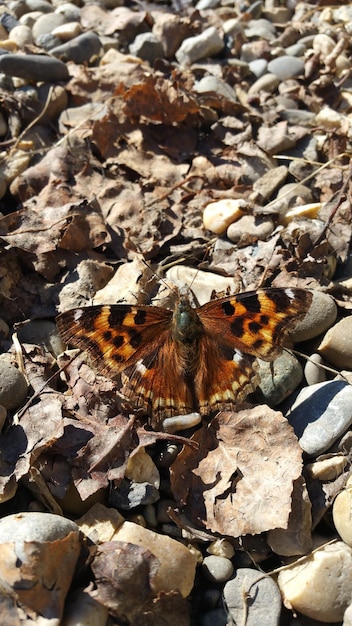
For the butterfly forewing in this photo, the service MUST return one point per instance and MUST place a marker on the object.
(115, 336)
(255, 322)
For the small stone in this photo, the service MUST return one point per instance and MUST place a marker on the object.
(329, 119)
(81, 49)
(336, 347)
(141, 468)
(147, 46)
(70, 11)
(177, 563)
(253, 598)
(250, 227)
(129, 495)
(323, 44)
(67, 31)
(207, 44)
(13, 385)
(320, 586)
(33, 67)
(312, 372)
(327, 469)
(269, 82)
(44, 333)
(21, 35)
(221, 547)
(285, 67)
(217, 568)
(100, 523)
(170, 30)
(309, 211)
(209, 84)
(321, 315)
(321, 414)
(258, 67)
(279, 378)
(217, 216)
(341, 512)
(46, 23)
(260, 28)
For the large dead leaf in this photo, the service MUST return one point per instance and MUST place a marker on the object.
(240, 481)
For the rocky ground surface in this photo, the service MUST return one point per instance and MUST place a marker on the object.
(212, 141)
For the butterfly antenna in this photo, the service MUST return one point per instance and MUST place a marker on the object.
(162, 280)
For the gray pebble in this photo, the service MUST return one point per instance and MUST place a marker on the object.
(269, 82)
(46, 23)
(47, 41)
(321, 315)
(147, 46)
(80, 49)
(250, 226)
(129, 495)
(258, 67)
(320, 414)
(39, 5)
(312, 372)
(206, 4)
(217, 568)
(286, 66)
(260, 28)
(71, 12)
(8, 21)
(33, 67)
(13, 385)
(296, 50)
(213, 84)
(207, 44)
(279, 378)
(252, 599)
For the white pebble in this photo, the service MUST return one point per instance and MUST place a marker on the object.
(217, 216)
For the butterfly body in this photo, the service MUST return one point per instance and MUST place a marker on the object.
(190, 359)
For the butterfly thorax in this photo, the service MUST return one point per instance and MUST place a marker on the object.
(187, 327)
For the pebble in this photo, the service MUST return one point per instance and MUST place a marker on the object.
(252, 598)
(285, 67)
(268, 183)
(147, 46)
(260, 28)
(217, 568)
(221, 547)
(67, 31)
(312, 372)
(141, 468)
(320, 586)
(177, 563)
(34, 67)
(130, 495)
(323, 44)
(269, 82)
(321, 315)
(336, 346)
(327, 469)
(250, 227)
(28, 561)
(217, 216)
(81, 49)
(279, 378)
(258, 67)
(213, 84)
(320, 414)
(13, 385)
(207, 44)
(45, 24)
(21, 35)
(341, 513)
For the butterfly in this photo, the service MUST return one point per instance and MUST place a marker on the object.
(190, 359)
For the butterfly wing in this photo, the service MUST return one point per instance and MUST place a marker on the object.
(237, 329)
(114, 336)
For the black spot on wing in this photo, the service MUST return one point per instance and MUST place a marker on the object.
(237, 326)
(135, 337)
(117, 315)
(140, 317)
(254, 327)
(280, 298)
(228, 308)
(252, 304)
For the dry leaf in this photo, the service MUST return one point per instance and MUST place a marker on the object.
(240, 481)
